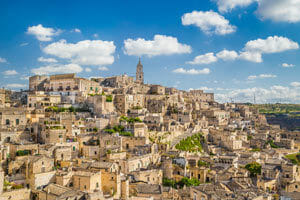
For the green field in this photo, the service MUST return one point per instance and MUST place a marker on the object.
(293, 110)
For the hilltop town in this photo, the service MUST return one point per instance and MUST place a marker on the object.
(116, 137)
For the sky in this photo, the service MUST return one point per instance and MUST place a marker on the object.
(241, 50)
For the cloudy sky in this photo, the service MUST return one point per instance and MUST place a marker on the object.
(237, 49)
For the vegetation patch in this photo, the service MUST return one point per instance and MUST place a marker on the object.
(254, 168)
(294, 158)
(180, 184)
(192, 143)
(130, 120)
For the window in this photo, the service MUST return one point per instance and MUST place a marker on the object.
(7, 122)
(97, 185)
(17, 121)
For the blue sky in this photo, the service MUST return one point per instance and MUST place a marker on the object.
(236, 49)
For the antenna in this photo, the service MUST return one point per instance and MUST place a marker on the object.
(254, 99)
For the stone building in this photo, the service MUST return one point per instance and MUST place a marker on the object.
(87, 181)
(37, 83)
(40, 99)
(12, 117)
(139, 73)
(2, 98)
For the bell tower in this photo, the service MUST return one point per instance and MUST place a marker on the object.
(139, 73)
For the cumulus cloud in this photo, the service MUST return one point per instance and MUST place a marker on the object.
(287, 65)
(204, 88)
(77, 30)
(251, 56)
(295, 84)
(160, 45)
(228, 5)
(103, 68)
(279, 10)
(227, 55)
(261, 76)
(254, 49)
(25, 78)
(209, 22)
(16, 85)
(42, 33)
(87, 69)
(10, 72)
(57, 68)
(86, 52)
(273, 44)
(191, 71)
(2, 60)
(204, 59)
(49, 60)
(273, 94)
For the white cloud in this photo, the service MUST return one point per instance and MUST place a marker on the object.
(273, 94)
(24, 78)
(191, 71)
(87, 69)
(103, 68)
(251, 56)
(254, 49)
(57, 68)
(77, 30)
(16, 85)
(24, 44)
(295, 84)
(204, 59)
(287, 65)
(10, 72)
(261, 76)
(280, 10)
(86, 52)
(2, 60)
(204, 88)
(209, 22)
(42, 33)
(227, 55)
(160, 45)
(228, 5)
(273, 44)
(49, 60)
(252, 77)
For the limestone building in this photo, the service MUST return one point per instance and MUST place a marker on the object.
(139, 73)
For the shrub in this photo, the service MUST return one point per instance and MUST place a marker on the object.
(129, 134)
(254, 168)
(191, 144)
(168, 182)
(108, 98)
(202, 163)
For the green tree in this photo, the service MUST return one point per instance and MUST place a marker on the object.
(254, 168)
